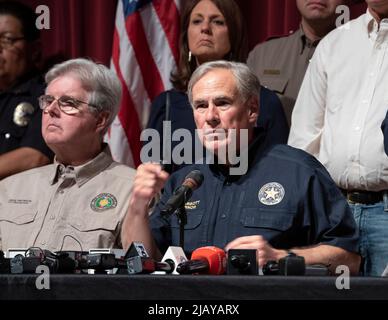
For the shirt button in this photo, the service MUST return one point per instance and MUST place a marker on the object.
(52, 217)
(372, 74)
(223, 216)
(7, 135)
(61, 191)
(365, 101)
(357, 128)
(43, 242)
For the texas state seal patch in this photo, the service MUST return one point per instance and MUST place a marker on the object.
(103, 201)
(271, 193)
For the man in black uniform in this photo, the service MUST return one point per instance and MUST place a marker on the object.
(21, 144)
(284, 201)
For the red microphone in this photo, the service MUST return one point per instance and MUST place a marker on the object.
(205, 260)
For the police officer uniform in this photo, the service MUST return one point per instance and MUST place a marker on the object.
(286, 196)
(21, 117)
(66, 208)
(280, 65)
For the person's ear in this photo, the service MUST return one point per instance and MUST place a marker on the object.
(253, 109)
(102, 121)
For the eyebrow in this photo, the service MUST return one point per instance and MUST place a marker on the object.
(211, 17)
(214, 99)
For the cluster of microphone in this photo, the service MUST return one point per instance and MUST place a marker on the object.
(206, 260)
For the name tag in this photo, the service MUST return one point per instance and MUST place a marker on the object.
(271, 72)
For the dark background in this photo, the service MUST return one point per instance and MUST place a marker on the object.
(85, 27)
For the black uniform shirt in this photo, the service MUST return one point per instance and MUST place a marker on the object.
(21, 117)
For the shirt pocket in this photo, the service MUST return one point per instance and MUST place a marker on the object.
(94, 222)
(271, 221)
(193, 220)
(193, 235)
(92, 230)
(275, 83)
(18, 216)
(17, 225)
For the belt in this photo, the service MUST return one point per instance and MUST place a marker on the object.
(364, 197)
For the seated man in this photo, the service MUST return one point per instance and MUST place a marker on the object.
(21, 144)
(78, 202)
(285, 201)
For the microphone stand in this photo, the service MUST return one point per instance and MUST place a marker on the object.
(182, 216)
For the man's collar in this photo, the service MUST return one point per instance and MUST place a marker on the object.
(304, 41)
(255, 150)
(372, 25)
(85, 172)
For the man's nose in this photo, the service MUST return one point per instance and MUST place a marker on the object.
(53, 109)
(212, 115)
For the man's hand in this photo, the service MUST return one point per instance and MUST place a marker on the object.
(265, 252)
(149, 180)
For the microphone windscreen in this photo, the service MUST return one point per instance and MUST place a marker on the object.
(215, 257)
(194, 179)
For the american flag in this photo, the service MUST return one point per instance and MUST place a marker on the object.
(145, 50)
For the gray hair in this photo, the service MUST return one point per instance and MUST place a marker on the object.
(102, 84)
(248, 85)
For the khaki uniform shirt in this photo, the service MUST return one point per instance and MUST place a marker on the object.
(66, 208)
(280, 65)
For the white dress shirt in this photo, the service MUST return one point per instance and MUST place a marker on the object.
(342, 103)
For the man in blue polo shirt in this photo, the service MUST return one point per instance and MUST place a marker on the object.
(284, 201)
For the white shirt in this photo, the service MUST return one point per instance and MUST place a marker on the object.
(342, 103)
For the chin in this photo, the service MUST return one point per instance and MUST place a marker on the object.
(218, 147)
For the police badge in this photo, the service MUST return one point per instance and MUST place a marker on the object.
(271, 193)
(21, 114)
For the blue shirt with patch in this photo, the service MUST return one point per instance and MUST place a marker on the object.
(286, 196)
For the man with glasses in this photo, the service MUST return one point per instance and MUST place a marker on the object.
(21, 144)
(79, 201)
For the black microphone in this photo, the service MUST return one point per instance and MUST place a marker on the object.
(192, 181)
(138, 264)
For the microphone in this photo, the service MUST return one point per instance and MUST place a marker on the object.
(192, 181)
(136, 249)
(205, 260)
(242, 261)
(174, 254)
(139, 264)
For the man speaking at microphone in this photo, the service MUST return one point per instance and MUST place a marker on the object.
(284, 201)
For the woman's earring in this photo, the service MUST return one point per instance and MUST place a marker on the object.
(189, 56)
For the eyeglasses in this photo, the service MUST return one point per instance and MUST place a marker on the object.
(7, 42)
(68, 105)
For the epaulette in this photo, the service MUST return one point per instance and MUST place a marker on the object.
(280, 35)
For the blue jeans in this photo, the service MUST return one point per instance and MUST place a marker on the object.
(372, 221)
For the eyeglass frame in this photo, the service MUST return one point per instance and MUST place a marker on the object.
(9, 41)
(76, 101)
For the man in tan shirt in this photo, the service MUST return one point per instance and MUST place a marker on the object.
(78, 202)
(281, 63)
